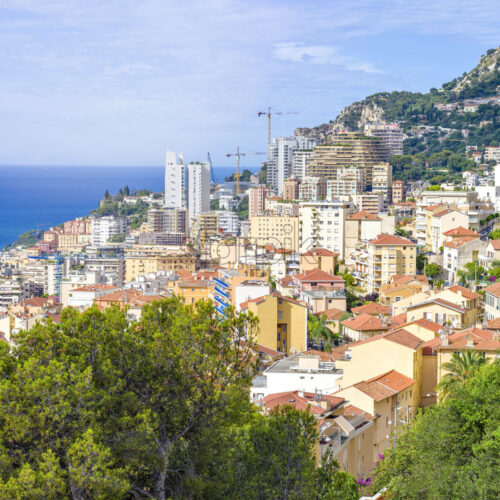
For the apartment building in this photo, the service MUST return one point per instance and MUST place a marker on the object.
(347, 149)
(439, 220)
(346, 183)
(321, 224)
(492, 153)
(291, 189)
(382, 179)
(313, 189)
(198, 189)
(391, 135)
(175, 181)
(370, 202)
(389, 255)
(299, 163)
(318, 258)
(281, 232)
(282, 322)
(106, 227)
(492, 301)
(458, 252)
(280, 159)
(142, 259)
(257, 200)
(398, 191)
(167, 220)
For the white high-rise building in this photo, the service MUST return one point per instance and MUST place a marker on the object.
(280, 159)
(175, 181)
(390, 133)
(299, 162)
(105, 227)
(198, 189)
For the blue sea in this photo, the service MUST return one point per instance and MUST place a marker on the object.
(40, 197)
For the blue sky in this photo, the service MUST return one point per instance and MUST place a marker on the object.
(117, 82)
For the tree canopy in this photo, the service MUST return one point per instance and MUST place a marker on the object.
(98, 406)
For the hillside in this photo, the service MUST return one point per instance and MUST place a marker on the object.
(443, 108)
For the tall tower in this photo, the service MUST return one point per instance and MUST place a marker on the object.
(175, 181)
(198, 189)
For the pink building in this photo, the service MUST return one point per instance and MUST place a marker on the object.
(257, 200)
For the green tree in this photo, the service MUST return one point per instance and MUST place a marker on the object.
(432, 270)
(421, 262)
(349, 279)
(107, 196)
(451, 450)
(126, 191)
(494, 235)
(462, 366)
(318, 330)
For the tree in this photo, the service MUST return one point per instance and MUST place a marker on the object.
(462, 366)
(494, 235)
(107, 196)
(432, 270)
(349, 279)
(126, 191)
(451, 450)
(402, 232)
(421, 262)
(318, 330)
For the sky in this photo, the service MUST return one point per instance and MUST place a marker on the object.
(118, 82)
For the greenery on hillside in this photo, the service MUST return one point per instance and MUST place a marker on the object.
(98, 407)
(451, 450)
(27, 239)
(244, 176)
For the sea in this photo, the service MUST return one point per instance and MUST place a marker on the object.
(34, 197)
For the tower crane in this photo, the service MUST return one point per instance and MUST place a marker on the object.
(238, 155)
(268, 113)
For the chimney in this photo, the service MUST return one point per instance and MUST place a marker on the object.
(470, 341)
(443, 335)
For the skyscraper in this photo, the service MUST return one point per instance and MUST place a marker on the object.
(198, 189)
(390, 133)
(280, 156)
(175, 181)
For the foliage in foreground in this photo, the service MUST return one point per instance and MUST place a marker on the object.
(453, 449)
(97, 407)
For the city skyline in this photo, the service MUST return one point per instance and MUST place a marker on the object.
(108, 83)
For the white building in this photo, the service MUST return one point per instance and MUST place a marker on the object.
(106, 227)
(458, 252)
(322, 223)
(297, 373)
(175, 181)
(83, 297)
(249, 290)
(299, 162)
(280, 159)
(390, 133)
(198, 189)
(229, 223)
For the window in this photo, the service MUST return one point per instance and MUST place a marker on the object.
(280, 314)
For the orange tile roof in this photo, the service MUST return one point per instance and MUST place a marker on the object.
(494, 324)
(365, 322)
(323, 252)
(430, 325)
(331, 314)
(458, 242)
(324, 356)
(398, 320)
(441, 302)
(267, 350)
(472, 338)
(354, 411)
(304, 403)
(465, 292)
(401, 279)
(372, 308)
(123, 295)
(493, 289)
(390, 239)
(384, 386)
(317, 275)
(401, 336)
(442, 212)
(461, 231)
(363, 215)
(495, 244)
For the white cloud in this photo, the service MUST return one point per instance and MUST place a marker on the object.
(321, 54)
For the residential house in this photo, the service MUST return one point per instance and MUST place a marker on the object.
(192, 291)
(458, 252)
(373, 309)
(490, 254)
(282, 322)
(492, 301)
(440, 221)
(402, 287)
(84, 297)
(363, 326)
(318, 258)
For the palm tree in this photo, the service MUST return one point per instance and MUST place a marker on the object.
(461, 367)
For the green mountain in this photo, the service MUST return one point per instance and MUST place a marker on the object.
(446, 108)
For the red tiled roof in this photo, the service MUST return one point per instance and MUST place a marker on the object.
(441, 302)
(465, 292)
(494, 324)
(363, 215)
(324, 356)
(472, 338)
(323, 252)
(458, 242)
(430, 325)
(495, 244)
(442, 212)
(267, 350)
(390, 239)
(331, 314)
(398, 320)
(304, 403)
(364, 322)
(401, 337)
(401, 279)
(258, 300)
(286, 280)
(317, 275)
(372, 308)
(194, 284)
(461, 231)
(384, 386)
(354, 411)
(493, 289)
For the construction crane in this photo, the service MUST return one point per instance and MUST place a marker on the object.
(268, 113)
(59, 270)
(238, 155)
(212, 177)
